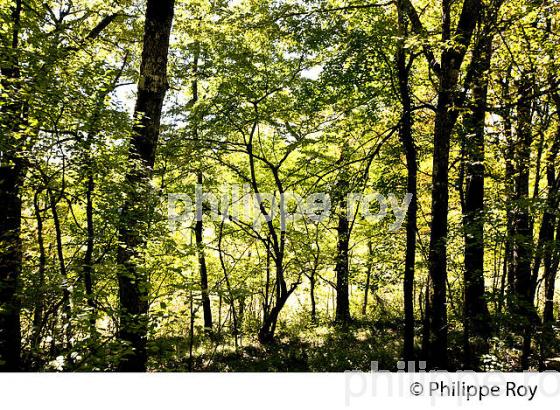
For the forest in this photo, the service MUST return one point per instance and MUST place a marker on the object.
(279, 185)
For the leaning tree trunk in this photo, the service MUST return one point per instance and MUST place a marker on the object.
(409, 147)
(133, 283)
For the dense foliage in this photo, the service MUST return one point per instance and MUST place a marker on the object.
(454, 102)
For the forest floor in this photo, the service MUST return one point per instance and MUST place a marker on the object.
(321, 349)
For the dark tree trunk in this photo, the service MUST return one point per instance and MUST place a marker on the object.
(342, 315)
(426, 321)
(550, 279)
(88, 257)
(522, 227)
(342, 312)
(409, 147)
(40, 284)
(551, 266)
(133, 283)
(369, 269)
(276, 244)
(206, 306)
(199, 229)
(548, 242)
(11, 180)
(476, 315)
(10, 268)
(312, 280)
(448, 72)
(268, 328)
(451, 61)
(510, 192)
(66, 296)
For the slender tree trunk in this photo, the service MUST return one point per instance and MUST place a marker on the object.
(199, 229)
(523, 236)
(268, 328)
(407, 140)
(448, 71)
(477, 317)
(133, 282)
(277, 241)
(510, 193)
(426, 322)
(235, 324)
(342, 313)
(368, 277)
(553, 202)
(37, 325)
(206, 306)
(88, 256)
(550, 279)
(66, 296)
(312, 280)
(549, 234)
(551, 269)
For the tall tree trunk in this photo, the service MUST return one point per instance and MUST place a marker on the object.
(66, 296)
(206, 306)
(510, 194)
(476, 315)
(342, 313)
(550, 279)
(199, 229)
(11, 180)
(276, 243)
(448, 71)
(10, 268)
(407, 140)
(39, 287)
(87, 269)
(522, 227)
(549, 235)
(133, 283)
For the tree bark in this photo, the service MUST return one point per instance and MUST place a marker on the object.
(369, 269)
(477, 321)
(88, 256)
(152, 86)
(10, 268)
(199, 228)
(39, 288)
(11, 180)
(407, 140)
(451, 61)
(66, 296)
(552, 208)
(522, 226)
(342, 313)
